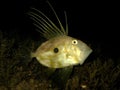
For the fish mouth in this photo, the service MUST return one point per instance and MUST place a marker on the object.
(84, 56)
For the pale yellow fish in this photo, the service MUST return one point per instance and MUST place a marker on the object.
(60, 50)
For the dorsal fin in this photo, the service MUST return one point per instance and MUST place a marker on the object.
(47, 27)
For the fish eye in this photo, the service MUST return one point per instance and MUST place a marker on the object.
(56, 50)
(74, 42)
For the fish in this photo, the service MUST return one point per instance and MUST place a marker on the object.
(59, 50)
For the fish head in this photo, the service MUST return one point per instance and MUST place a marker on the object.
(62, 51)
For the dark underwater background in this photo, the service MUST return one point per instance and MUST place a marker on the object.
(95, 23)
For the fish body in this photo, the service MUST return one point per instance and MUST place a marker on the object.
(60, 50)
